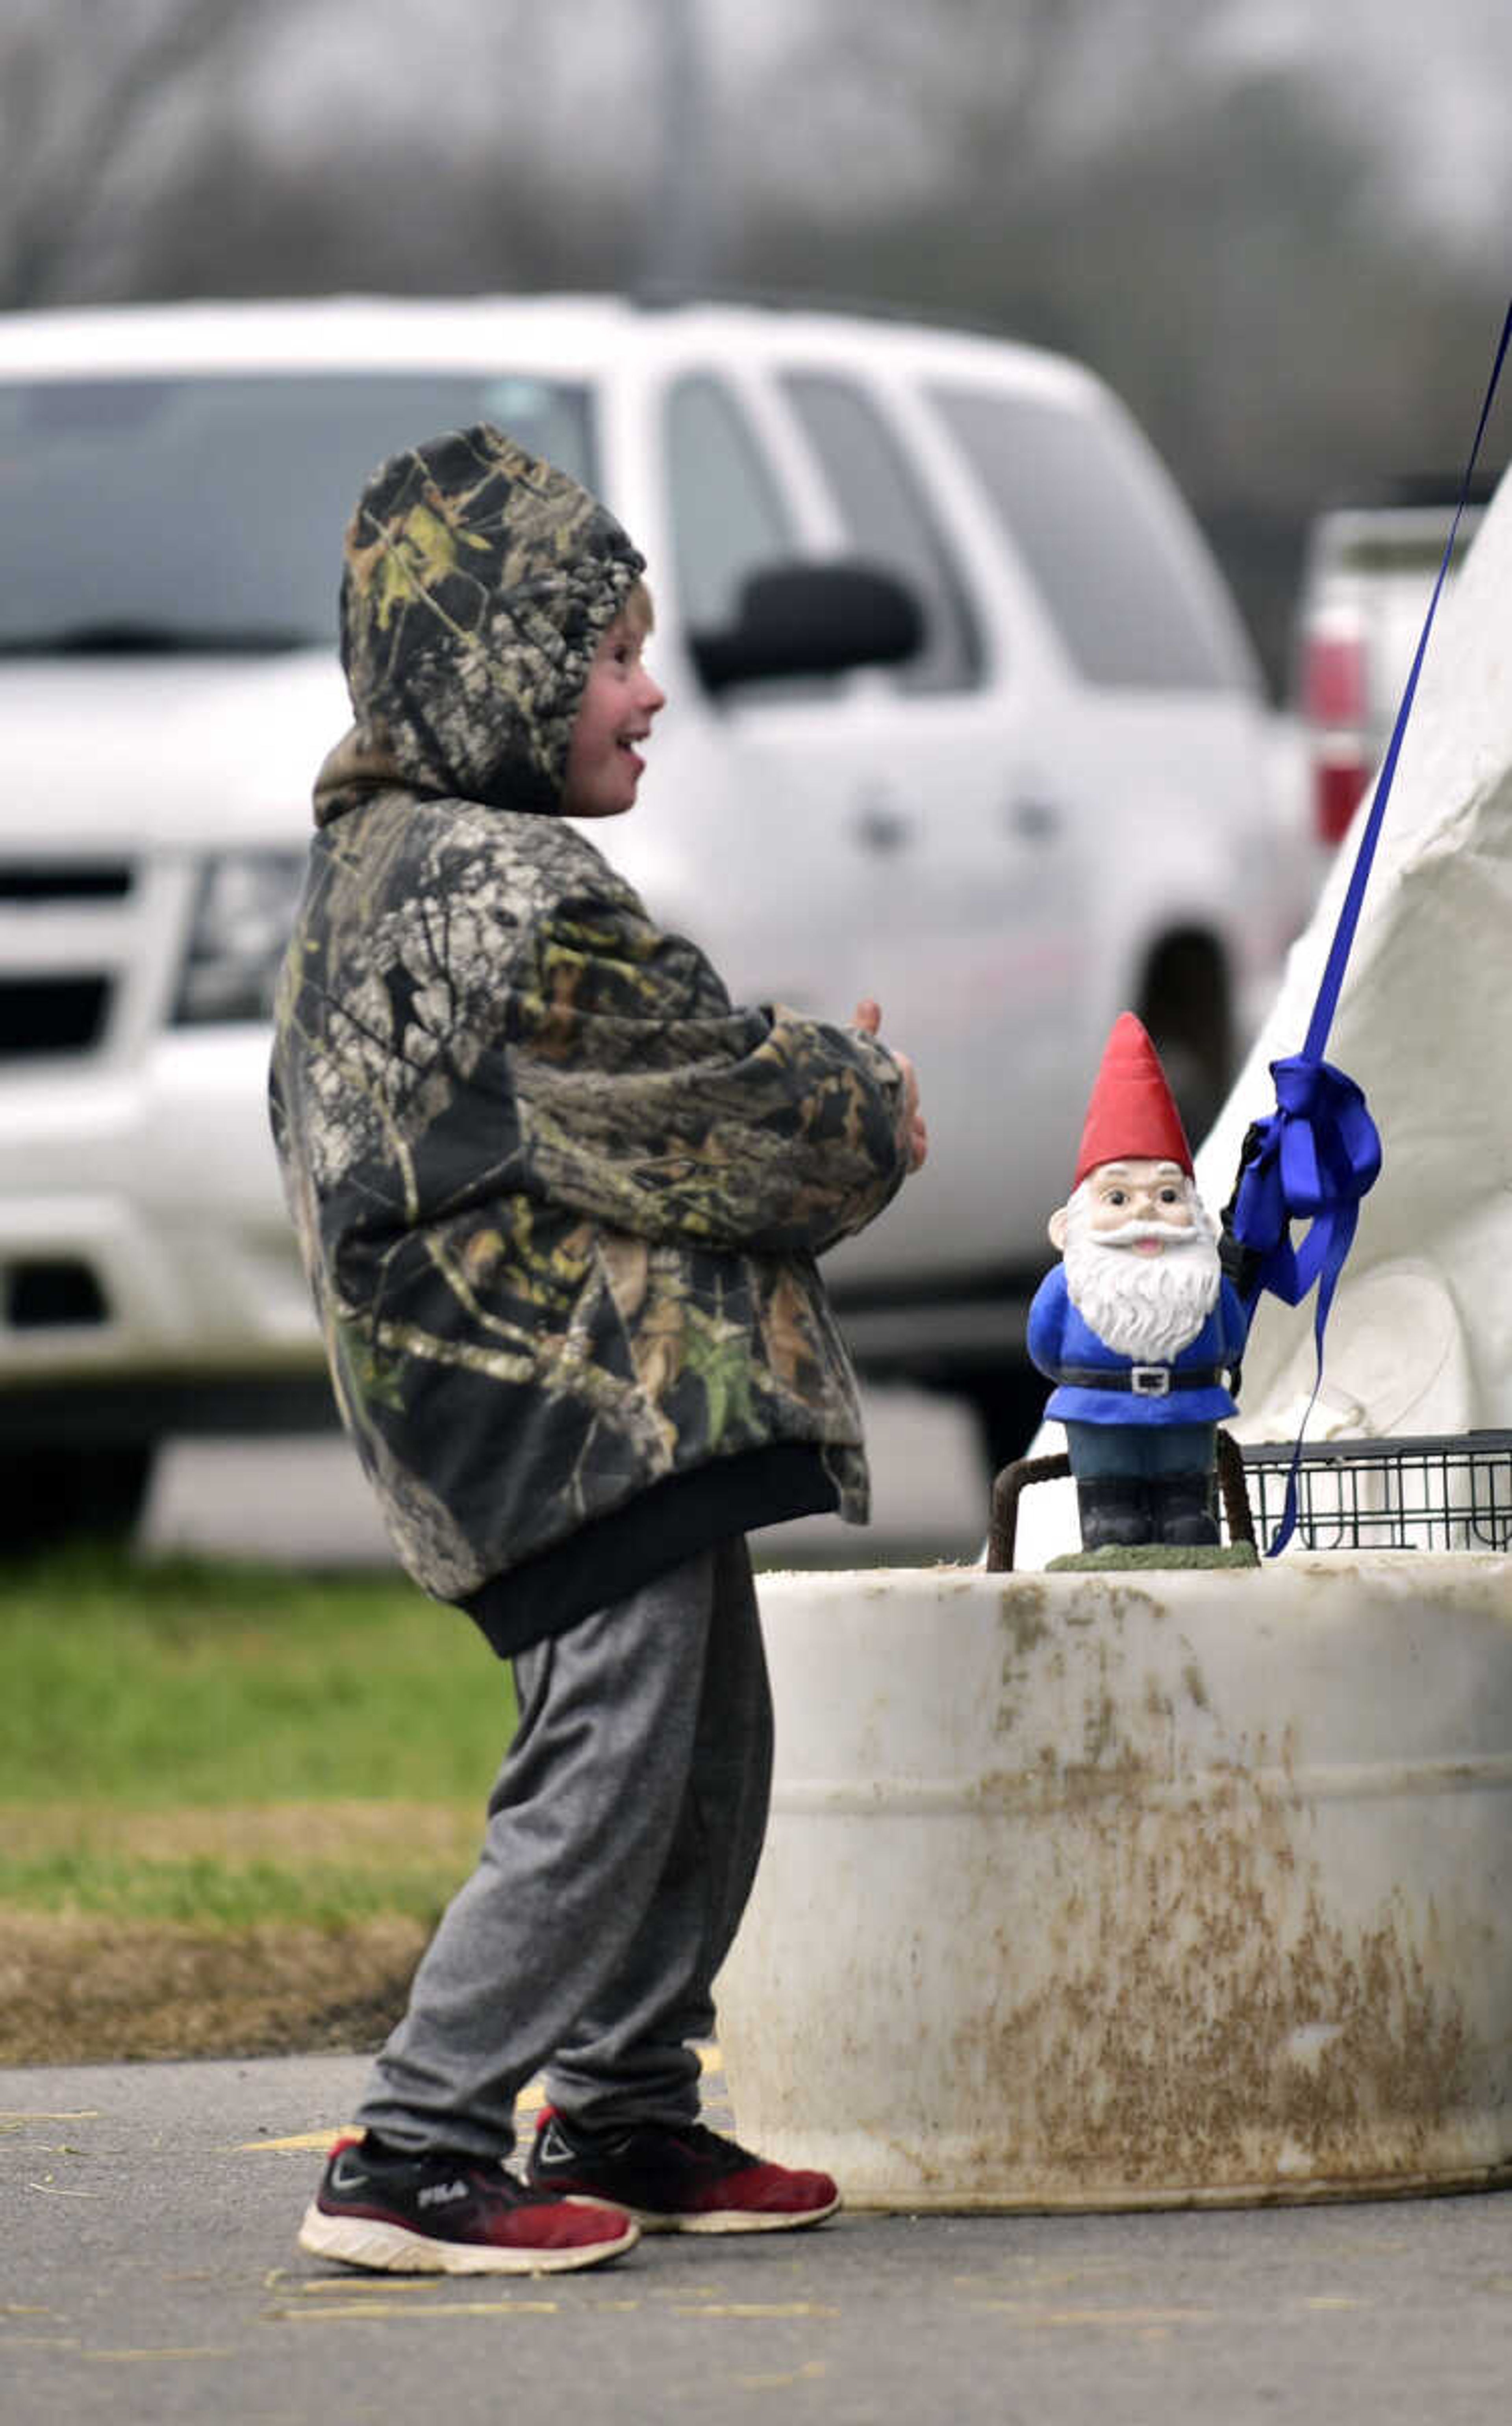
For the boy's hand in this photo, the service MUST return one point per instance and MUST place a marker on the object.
(868, 1018)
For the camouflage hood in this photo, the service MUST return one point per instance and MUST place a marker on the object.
(477, 583)
(558, 1198)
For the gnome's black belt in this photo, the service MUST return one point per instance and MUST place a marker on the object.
(1143, 1380)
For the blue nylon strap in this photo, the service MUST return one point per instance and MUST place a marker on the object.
(1318, 1153)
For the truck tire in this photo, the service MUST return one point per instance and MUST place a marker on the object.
(1008, 1403)
(95, 1491)
(1185, 1006)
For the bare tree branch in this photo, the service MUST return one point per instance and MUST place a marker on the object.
(80, 81)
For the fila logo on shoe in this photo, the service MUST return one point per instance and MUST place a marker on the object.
(552, 2148)
(348, 2175)
(441, 2193)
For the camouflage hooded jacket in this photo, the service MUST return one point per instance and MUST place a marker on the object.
(557, 1197)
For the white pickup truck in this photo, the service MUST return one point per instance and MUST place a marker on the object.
(1060, 806)
(1368, 575)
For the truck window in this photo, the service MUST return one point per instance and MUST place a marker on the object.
(207, 511)
(1101, 539)
(728, 514)
(889, 521)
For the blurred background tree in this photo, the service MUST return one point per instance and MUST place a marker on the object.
(1280, 238)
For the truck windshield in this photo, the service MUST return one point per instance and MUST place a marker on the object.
(207, 511)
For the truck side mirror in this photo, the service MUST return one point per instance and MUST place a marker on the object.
(811, 619)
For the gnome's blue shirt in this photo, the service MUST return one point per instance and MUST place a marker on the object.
(1060, 1341)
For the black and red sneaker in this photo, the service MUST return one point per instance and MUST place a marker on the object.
(451, 2214)
(689, 2179)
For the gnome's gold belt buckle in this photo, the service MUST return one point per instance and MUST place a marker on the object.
(1149, 1381)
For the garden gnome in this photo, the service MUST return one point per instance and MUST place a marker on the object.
(1136, 1327)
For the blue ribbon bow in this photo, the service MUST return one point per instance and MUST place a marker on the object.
(1317, 1154)
(1312, 1160)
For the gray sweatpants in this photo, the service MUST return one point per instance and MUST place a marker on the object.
(622, 1839)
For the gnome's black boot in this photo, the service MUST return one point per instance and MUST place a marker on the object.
(1184, 1513)
(1114, 1513)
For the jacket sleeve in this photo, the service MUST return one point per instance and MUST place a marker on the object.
(641, 1097)
(788, 1145)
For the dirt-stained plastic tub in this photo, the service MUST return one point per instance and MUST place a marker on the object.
(1087, 1891)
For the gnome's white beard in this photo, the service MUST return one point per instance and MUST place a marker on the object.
(1144, 1307)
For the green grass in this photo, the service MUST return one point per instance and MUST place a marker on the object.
(229, 1746)
(152, 1683)
(207, 1892)
(215, 1744)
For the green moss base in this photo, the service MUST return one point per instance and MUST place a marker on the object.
(1156, 1554)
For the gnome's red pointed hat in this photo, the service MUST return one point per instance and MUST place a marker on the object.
(1133, 1113)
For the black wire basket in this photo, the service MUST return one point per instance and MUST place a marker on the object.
(1435, 1491)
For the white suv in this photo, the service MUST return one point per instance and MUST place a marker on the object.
(1061, 805)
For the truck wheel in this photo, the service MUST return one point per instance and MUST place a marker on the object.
(1009, 1406)
(1190, 1019)
(96, 1491)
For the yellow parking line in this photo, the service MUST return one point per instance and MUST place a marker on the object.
(204, 2349)
(297, 2140)
(379, 2310)
(34, 2114)
(756, 2308)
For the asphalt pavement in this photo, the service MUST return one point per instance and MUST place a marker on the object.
(150, 2277)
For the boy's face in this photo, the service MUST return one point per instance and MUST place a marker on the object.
(614, 717)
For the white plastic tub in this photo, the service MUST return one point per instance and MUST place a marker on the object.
(1101, 1891)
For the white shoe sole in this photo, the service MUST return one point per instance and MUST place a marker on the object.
(392, 2249)
(733, 2219)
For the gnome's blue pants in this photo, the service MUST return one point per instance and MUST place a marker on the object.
(1148, 1453)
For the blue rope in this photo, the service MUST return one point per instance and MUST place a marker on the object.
(1319, 1153)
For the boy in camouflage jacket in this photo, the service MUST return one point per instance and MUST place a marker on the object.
(559, 1202)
